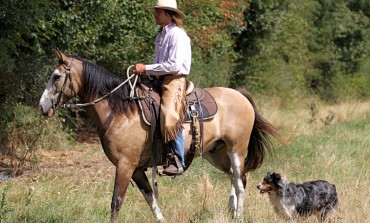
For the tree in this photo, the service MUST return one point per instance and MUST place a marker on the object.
(304, 46)
(271, 59)
(340, 44)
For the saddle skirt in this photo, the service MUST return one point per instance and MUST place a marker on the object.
(198, 99)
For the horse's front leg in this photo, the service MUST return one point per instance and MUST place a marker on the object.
(124, 170)
(142, 182)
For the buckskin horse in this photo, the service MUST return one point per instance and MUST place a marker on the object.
(235, 140)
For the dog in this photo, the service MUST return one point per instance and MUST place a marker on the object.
(294, 201)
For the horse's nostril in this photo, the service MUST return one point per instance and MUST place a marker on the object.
(43, 112)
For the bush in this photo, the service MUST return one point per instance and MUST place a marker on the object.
(25, 132)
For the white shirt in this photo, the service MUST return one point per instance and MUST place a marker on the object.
(172, 53)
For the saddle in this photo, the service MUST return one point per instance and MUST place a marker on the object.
(198, 100)
(200, 107)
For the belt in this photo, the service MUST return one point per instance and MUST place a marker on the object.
(161, 77)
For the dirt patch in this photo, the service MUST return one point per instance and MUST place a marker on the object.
(86, 159)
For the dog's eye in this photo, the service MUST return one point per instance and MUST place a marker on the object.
(268, 179)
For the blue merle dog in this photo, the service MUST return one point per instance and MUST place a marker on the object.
(293, 201)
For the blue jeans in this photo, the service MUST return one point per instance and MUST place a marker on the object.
(178, 147)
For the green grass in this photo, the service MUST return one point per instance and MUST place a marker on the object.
(339, 153)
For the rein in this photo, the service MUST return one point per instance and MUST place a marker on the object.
(131, 97)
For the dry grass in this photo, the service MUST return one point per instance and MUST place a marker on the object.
(76, 185)
(309, 115)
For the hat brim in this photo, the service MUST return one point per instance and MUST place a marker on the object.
(180, 13)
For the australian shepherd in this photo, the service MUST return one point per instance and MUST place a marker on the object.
(294, 201)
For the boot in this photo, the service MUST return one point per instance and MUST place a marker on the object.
(172, 170)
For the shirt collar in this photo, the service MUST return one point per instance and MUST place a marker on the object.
(169, 27)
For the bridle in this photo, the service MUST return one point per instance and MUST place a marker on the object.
(68, 76)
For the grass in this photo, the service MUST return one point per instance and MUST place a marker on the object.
(76, 186)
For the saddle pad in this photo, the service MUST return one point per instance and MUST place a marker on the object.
(207, 108)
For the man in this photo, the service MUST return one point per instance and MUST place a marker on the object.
(171, 64)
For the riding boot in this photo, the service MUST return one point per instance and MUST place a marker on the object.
(176, 167)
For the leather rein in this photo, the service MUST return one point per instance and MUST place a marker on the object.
(76, 105)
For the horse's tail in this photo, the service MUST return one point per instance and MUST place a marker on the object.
(260, 140)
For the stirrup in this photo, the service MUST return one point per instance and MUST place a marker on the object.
(180, 170)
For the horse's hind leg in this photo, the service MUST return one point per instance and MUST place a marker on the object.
(142, 182)
(233, 202)
(237, 194)
(233, 198)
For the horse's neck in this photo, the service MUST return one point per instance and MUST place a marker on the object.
(101, 114)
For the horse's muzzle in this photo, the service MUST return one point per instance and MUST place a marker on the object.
(49, 113)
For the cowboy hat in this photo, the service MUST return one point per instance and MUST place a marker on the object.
(169, 5)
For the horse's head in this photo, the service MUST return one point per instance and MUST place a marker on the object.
(63, 84)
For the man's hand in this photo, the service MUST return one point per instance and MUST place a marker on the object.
(139, 68)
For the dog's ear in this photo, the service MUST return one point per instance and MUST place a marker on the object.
(276, 177)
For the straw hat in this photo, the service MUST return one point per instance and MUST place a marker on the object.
(169, 5)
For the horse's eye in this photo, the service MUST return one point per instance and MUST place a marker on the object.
(56, 77)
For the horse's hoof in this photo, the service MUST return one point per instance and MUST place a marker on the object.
(162, 220)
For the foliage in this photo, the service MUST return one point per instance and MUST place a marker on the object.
(210, 25)
(269, 56)
(339, 45)
(22, 40)
(114, 34)
(22, 33)
(327, 50)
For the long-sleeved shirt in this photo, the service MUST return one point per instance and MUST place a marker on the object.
(172, 53)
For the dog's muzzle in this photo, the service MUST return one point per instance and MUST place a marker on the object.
(263, 189)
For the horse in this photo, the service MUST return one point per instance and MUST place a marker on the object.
(235, 140)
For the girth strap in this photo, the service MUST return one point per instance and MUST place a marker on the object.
(197, 137)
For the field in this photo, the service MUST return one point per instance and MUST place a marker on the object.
(319, 141)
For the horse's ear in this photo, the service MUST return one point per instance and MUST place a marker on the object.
(61, 56)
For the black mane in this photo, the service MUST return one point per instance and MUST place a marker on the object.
(99, 82)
